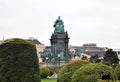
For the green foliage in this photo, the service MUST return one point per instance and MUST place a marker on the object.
(66, 72)
(100, 80)
(111, 58)
(58, 69)
(18, 61)
(44, 72)
(84, 57)
(51, 71)
(49, 80)
(94, 59)
(93, 72)
(117, 70)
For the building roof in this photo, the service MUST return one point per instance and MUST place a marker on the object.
(1, 41)
(34, 41)
(90, 45)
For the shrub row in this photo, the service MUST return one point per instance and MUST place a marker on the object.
(46, 71)
(92, 72)
(117, 70)
(83, 71)
(66, 72)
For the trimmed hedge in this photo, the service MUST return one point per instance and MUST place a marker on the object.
(94, 72)
(18, 61)
(117, 70)
(44, 72)
(51, 70)
(66, 72)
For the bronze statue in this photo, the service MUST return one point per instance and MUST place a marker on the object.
(59, 27)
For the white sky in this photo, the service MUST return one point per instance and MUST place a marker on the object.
(87, 21)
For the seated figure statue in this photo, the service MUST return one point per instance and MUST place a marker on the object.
(59, 27)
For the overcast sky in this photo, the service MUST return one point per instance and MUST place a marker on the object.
(87, 21)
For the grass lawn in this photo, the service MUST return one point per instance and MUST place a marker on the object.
(55, 80)
(49, 80)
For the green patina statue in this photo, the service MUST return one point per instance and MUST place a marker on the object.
(59, 27)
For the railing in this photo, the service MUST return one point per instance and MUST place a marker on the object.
(52, 63)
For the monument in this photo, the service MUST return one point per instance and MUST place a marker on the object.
(59, 42)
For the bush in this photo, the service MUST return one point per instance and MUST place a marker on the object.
(58, 69)
(94, 72)
(117, 70)
(66, 72)
(44, 72)
(18, 61)
(51, 70)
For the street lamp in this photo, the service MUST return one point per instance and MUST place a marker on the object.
(113, 65)
(58, 60)
(46, 61)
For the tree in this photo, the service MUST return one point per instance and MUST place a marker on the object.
(51, 70)
(117, 70)
(84, 57)
(94, 59)
(18, 61)
(66, 72)
(94, 72)
(45, 72)
(111, 58)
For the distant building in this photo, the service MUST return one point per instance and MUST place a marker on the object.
(90, 49)
(118, 53)
(39, 46)
(1, 41)
(72, 48)
(93, 49)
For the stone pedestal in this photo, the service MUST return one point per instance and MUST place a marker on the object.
(59, 46)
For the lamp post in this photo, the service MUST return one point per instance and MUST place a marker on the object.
(46, 61)
(113, 65)
(58, 60)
